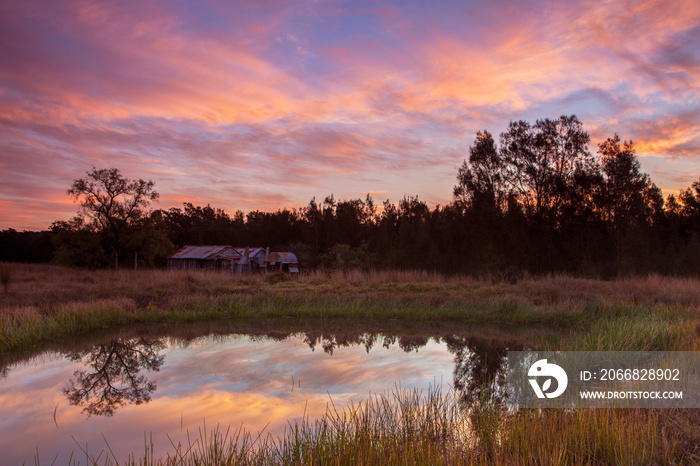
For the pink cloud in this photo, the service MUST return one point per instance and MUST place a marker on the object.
(297, 98)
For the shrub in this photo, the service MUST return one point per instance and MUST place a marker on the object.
(5, 277)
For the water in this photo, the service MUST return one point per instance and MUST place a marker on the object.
(131, 387)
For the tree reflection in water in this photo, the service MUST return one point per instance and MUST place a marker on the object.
(479, 373)
(114, 377)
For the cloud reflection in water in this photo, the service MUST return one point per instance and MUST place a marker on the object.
(261, 383)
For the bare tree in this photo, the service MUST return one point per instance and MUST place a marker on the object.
(113, 203)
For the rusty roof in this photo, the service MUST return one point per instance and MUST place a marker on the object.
(204, 252)
(252, 252)
(283, 257)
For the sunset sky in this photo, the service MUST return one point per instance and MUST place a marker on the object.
(266, 104)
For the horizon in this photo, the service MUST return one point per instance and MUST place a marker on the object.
(264, 107)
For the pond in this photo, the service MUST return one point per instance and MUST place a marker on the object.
(117, 390)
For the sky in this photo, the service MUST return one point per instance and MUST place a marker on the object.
(263, 105)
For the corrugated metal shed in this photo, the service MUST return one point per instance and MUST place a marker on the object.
(234, 260)
(252, 252)
(282, 261)
(205, 252)
(282, 258)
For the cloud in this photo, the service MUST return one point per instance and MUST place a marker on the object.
(675, 135)
(266, 102)
(112, 62)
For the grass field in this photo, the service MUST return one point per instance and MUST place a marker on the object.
(41, 303)
(44, 303)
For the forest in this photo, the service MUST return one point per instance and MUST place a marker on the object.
(536, 200)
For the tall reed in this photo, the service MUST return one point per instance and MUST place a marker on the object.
(434, 428)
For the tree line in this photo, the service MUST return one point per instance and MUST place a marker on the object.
(536, 200)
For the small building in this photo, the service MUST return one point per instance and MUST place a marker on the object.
(251, 260)
(284, 261)
(204, 258)
(242, 261)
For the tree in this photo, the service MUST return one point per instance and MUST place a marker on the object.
(77, 244)
(203, 225)
(113, 204)
(526, 169)
(148, 239)
(542, 161)
(691, 202)
(625, 192)
(628, 196)
(480, 182)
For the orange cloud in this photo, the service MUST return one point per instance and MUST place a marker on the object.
(675, 136)
(300, 99)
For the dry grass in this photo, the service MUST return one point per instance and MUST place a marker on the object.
(46, 286)
(648, 313)
(44, 283)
